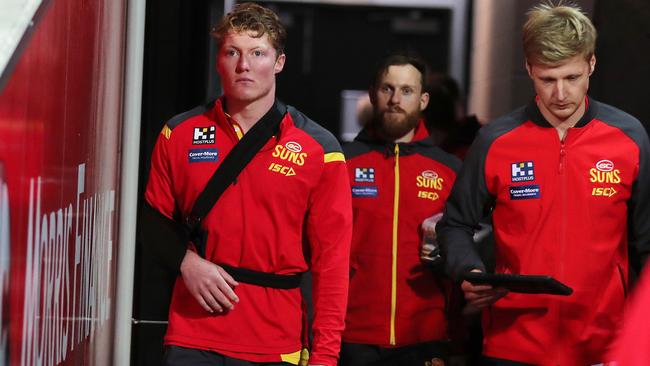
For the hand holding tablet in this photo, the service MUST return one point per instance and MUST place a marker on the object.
(527, 284)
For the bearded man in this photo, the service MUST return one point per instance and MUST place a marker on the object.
(396, 307)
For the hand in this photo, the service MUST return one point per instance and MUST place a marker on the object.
(429, 225)
(429, 248)
(210, 284)
(481, 296)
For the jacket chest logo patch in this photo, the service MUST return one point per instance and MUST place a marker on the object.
(433, 196)
(429, 179)
(525, 192)
(203, 155)
(364, 175)
(290, 152)
(604, 175)
(364, 191)
(203, 135)
(291, 155)
(523, 171)
(431, 182)
(287, 171)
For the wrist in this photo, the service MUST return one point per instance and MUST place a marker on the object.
(187, 258)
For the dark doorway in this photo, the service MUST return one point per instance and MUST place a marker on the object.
(331, 48)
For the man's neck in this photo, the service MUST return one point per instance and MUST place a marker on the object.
(406, 138)
(247, 113)
(563, 125)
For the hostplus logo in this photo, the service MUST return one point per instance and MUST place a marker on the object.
(203, 135)
(364, 175)
(523, 171)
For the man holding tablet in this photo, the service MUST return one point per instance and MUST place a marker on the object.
(566, 180)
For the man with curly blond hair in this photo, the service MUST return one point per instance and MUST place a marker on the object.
(237, 300)
(566, 180)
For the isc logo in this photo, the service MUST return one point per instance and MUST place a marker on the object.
(428, 195)
(605, 192)
(284, 170)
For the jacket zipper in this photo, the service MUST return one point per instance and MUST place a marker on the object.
(563, 190)
(393, 287)
(563, 224)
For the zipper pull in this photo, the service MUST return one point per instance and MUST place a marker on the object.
(396, 152)
(562, 156)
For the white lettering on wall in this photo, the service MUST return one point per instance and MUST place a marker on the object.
(65, 303)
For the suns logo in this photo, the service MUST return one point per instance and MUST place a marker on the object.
(604, 172)
(291, 151)
(429, 179)
(293, 146)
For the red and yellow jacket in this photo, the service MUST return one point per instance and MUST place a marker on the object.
(288, 211)
(565, 208)
(394, 300)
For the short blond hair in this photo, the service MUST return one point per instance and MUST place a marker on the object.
(251, 17)
(554, 33)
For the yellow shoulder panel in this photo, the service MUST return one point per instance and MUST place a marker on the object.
(334, 156)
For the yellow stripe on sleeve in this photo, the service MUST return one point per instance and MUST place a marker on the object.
(166, 131)
(334, 156)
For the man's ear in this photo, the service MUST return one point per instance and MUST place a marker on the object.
(592, 64)
(372, 96)
(424, 101)
(279, 63)
(528, 68)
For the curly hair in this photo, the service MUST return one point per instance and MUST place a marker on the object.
(251, 17)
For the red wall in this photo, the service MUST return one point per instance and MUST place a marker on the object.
(60, 126)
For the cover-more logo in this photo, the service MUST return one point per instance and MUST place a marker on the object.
(203, 155)
(365, 191)
(523, 171)
(525, 192)
(203, 135)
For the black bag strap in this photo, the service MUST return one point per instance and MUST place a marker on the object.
(241, 154)
(264, 279)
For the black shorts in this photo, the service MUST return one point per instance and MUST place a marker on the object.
(181, 356)
(353, 354)
(489, 361)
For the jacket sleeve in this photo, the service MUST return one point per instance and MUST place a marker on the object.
(467, 204)
(639, 203)
(159, 233)
(329, 233)
(158, 192)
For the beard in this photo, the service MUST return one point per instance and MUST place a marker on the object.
(394, 123)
